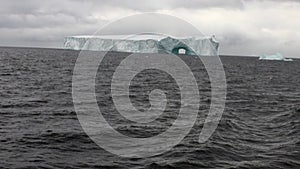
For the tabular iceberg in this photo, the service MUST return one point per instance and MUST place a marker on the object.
(146, 43)
(277, 56)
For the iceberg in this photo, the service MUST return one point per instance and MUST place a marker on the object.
(145, 43)
(276, 56)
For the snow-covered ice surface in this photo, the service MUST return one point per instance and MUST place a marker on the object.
(146, 43)
(277, 56)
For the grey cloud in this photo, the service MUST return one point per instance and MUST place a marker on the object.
(274, 0)
(82, 6)
(46, 14)
(34, 21)
(36, 13)
(171, 4)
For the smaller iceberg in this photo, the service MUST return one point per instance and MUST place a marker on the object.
(277, 56)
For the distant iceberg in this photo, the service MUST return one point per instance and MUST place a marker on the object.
(146, 43)
(277, 56)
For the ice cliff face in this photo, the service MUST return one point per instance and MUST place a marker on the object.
(144, 44)
(277, 56)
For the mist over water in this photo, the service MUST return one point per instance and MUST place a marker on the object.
(260, 127)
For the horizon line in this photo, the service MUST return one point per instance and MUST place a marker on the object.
(62, 48)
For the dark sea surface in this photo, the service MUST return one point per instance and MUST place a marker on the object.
(260, 127)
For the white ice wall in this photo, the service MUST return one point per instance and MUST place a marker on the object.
(143, 44)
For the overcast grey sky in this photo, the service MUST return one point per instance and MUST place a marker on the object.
(243, 27)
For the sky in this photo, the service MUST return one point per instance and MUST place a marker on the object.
(243, 27)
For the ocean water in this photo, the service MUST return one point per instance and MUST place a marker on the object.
(260, 127)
